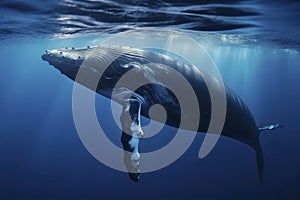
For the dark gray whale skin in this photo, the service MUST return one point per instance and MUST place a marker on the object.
(239, 123)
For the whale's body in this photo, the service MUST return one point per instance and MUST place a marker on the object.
(239, 122)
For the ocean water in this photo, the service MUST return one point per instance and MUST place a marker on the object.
(255, 45)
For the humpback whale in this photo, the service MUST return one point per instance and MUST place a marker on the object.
(239, 122)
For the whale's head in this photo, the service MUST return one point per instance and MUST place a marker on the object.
(67, 60)
(96, 66)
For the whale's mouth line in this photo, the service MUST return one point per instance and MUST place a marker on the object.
(50, 57)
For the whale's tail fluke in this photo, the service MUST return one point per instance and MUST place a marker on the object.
(259, 161)
(258, 149)
(269, 127)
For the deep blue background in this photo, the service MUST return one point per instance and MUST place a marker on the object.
(42, 155)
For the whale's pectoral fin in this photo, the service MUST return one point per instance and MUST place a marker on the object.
(131, 135)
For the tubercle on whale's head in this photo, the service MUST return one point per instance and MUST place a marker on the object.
(67, 60)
